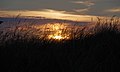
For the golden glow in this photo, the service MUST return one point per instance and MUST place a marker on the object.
(57, 31)
(56, 27)
(49, 13)
(57, 37)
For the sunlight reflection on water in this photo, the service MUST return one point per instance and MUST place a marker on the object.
(56, 31)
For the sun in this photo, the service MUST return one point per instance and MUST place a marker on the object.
(56, 31)
(56, 37)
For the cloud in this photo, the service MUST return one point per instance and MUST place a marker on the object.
(82, 11)
(87, 3)
(49, 13)
(114, 10)
(96, 7)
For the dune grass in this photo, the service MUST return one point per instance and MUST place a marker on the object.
(96, 52)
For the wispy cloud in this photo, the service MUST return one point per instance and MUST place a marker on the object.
(49, 13)
(87, 3)
(114, 10)
(82, 11)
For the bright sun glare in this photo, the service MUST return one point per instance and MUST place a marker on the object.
(57, 31)
(57, 37)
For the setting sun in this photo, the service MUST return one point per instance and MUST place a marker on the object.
(56, 31)
(56, 37)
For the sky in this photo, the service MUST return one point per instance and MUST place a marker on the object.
(61, 9)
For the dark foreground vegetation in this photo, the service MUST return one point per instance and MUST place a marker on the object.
(97, 52)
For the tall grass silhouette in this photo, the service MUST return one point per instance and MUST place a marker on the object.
(95, 51)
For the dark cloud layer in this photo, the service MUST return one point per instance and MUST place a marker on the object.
(89, 7)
